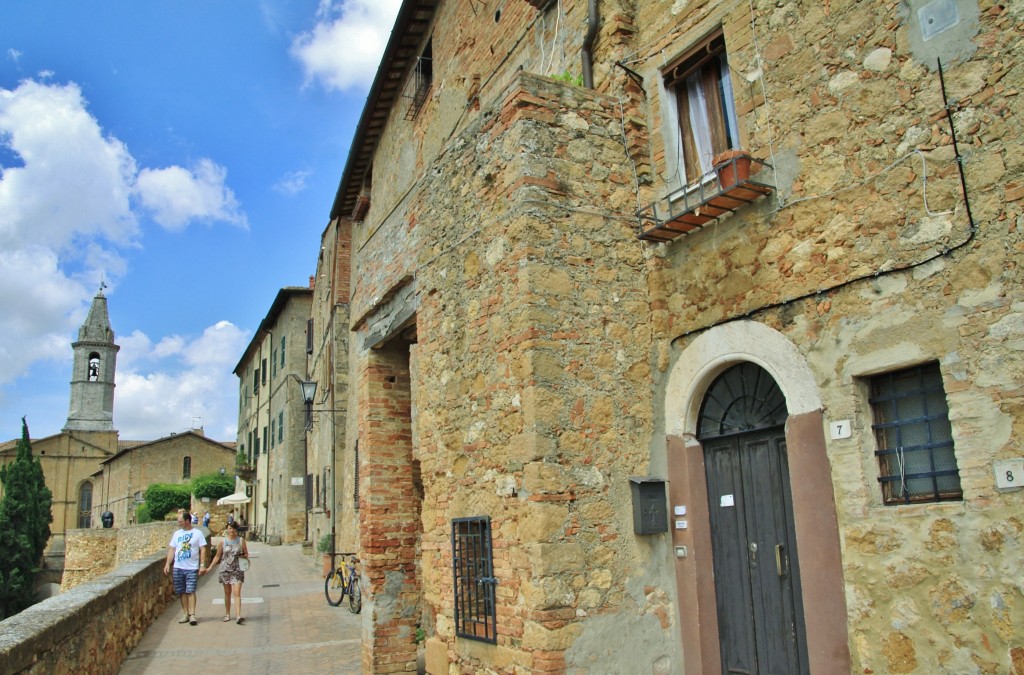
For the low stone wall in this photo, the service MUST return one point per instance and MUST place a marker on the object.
(90, 628)
(92, 553)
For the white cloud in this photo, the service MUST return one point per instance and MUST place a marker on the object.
(69, 199)
(292, 182)
(168, 387)
(344, 49)
(176, 196)
(74, 183)
(13, 54)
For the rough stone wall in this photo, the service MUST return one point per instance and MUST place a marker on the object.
(93, 553)
(844, 99)
(89, 629)
(546, 332)
(531, 363)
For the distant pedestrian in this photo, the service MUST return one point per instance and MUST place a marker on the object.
(187, 553)
(233, 556)
(195, 519)
(206, 519)
(231, 517)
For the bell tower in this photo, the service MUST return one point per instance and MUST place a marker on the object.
(92, 380)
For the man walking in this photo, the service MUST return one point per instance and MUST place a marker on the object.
(187, 553)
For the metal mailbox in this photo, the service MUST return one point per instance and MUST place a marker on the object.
(650, 504)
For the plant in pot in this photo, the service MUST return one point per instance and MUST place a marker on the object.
(733, 166)
(325, 546)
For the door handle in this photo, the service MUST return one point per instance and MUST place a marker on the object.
(778, 560)
(753, 554)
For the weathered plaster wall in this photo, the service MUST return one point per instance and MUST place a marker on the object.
(841, 97)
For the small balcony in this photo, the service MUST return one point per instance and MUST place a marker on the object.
(245, 471)
(731, 188)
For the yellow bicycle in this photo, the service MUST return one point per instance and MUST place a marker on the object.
(343, 580)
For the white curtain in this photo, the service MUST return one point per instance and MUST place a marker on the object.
(699, 127)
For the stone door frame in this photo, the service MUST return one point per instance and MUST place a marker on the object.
(817, 528)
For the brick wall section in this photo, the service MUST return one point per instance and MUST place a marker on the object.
(89, 629)
(389, 524)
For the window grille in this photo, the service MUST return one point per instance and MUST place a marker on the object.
(915, 440)
(282, 351)
(186, 467)
(355, 474)
(473, 571)
(423, 77)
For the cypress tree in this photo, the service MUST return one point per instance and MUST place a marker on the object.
(25, 519)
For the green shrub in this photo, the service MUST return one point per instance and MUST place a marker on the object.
(212, 485)
(142, 514)
(162, 498)
(324, 546)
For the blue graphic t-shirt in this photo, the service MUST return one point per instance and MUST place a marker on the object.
(186, 544)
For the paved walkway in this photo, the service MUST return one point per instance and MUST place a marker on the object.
(289, 627)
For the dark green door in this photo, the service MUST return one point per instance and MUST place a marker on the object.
(757, 580)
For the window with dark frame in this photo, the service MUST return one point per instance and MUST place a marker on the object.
(309, 336)
(85, 506)
(915, 440)
(476, 615)
(186, 467)
(700, 94)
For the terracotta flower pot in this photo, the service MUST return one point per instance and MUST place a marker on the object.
(733, 167)
(326, 560)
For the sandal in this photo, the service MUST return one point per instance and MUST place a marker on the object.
(241, 620)
(226, 618)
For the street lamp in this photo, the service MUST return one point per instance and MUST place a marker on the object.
(308, 393)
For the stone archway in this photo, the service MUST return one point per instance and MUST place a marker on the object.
(814, 512)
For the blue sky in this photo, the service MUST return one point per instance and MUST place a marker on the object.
(186, 153)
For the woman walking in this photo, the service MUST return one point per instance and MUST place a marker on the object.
(231, 552)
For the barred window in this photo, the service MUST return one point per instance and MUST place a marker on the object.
(186, 467)
(473, 569)
(915, 440)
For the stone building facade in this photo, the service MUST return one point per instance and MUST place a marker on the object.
(272, 420)
(123, 478)
(608, 409)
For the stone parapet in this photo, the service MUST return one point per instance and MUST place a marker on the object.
(93, 553)
(89, 629)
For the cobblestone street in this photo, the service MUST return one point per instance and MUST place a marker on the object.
(289, 627)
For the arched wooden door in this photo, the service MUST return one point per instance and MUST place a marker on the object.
(757, 577)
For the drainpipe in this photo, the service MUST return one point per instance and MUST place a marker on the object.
(588, 43)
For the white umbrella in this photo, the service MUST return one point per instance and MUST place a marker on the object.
(237, 498)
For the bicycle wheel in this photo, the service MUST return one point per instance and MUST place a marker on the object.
(355, 597)
(334, 588)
